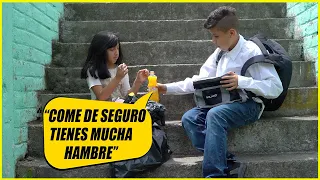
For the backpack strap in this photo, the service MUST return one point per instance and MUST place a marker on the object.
(260, 45)
(254, 60)
(219, 56)
(251, 61)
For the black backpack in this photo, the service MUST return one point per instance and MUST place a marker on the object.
(275, 54)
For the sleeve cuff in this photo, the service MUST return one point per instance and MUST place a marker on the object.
(170, 88)
(243, 82)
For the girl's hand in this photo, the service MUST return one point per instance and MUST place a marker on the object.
(142, 75)
(121, 71)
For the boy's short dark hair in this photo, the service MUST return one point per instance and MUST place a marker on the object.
(224, 18)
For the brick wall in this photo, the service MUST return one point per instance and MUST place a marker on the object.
(306, 27)
(28, 31)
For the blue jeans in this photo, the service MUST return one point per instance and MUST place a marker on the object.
(207, 129)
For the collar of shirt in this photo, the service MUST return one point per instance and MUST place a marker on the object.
(235, 51)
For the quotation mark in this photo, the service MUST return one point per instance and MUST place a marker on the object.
(47, 111)
(115, 147)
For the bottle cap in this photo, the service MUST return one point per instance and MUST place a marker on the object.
(151, 73)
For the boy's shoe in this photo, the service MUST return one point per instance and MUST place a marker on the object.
(237, 170)
(242, 170)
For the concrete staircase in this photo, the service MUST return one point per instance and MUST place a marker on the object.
(170, 39)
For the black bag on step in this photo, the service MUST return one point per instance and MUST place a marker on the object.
(156, 110)
(157, 155)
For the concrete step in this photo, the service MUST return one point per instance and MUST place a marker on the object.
(268, 135)
(67, 80)
(275, 165)
(168, 30)
(153, 52)
(158, 11)
(299, 102)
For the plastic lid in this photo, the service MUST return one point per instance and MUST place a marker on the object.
(151, 73)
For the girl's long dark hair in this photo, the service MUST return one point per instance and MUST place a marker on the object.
(97, 55)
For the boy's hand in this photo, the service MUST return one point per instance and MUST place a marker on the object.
(162, 88)
(230, 81)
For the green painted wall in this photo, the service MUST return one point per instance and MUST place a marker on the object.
(28, 29)
(306, 27)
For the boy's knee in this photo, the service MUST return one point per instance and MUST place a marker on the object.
(214, 113)
(186, 118)
(215, 118)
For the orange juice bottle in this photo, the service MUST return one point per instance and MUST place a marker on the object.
(152, 86)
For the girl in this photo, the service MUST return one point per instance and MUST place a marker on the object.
(106, 75)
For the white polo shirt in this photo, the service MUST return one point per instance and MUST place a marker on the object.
(261, 78)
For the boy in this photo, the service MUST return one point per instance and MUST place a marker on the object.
(207, 127)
